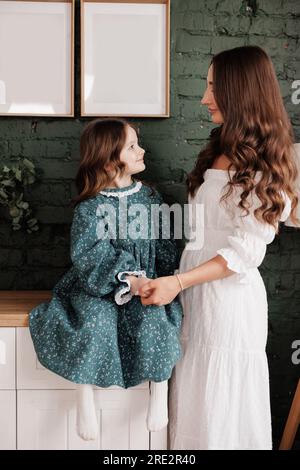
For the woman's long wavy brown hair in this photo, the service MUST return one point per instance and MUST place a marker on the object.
(256, 134)
(101, 143)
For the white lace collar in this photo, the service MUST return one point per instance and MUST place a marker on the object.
(122, 192)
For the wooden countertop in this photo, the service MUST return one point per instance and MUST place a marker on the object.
(16, 305)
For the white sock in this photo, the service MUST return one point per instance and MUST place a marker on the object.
(86, 422)
(157, 416)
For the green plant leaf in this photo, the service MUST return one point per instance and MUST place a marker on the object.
(22, 205)
(13, 180)
(18, 174)
(14, 212)
(28, 164)
(8, 183)
(3, 194)
(31, 222)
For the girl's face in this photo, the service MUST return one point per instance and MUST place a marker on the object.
(132, 154)
(209, 99)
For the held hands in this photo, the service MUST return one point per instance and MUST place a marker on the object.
(136, 283)
(160, 291)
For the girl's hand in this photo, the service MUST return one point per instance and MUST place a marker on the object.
(136, 283)
(160, 291)
(141, 282)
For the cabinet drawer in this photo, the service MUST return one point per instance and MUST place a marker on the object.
(47, 420)
(7, 358)
(32, 375)
(7, 420)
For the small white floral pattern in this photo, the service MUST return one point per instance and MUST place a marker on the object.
(93, 330)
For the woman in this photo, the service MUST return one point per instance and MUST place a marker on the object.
(245, 179)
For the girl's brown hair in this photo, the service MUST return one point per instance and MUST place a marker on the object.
(101, 143)
(256, 134)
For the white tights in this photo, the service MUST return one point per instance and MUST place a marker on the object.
(87, 426)
(86, 421)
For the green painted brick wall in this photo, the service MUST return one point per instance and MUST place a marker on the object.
(199, 28)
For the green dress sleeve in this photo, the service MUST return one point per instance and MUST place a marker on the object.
(101, 267)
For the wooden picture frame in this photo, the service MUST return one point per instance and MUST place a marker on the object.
(37, 58)
(125, 58)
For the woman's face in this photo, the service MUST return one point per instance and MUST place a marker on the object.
(132, 154)
(209, 99)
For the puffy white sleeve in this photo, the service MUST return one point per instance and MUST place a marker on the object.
(247, 245)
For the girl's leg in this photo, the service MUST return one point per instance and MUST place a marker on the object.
(87, 426)
(157, 416)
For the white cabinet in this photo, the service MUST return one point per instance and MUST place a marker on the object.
(38, 408)
(7, 389)
(7, 419)
(7, 359)
(47, 420)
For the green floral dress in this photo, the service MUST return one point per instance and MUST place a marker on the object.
(94, 330)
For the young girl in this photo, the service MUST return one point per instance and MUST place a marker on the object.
(95, 331)
(245, 179)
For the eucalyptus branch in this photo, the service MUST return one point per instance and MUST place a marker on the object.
(13, 182)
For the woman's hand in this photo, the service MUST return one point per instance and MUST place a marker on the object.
(160, 291)
(163, 290)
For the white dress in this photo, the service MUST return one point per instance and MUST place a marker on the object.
(219, 391)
